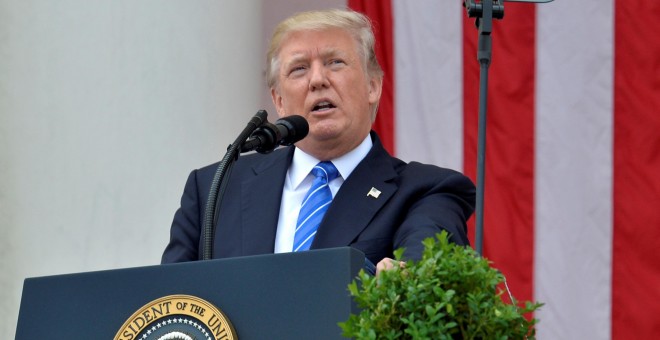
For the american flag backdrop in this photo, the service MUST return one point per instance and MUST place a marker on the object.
(572, 198)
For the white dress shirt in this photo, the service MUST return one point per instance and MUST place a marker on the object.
(298, 181)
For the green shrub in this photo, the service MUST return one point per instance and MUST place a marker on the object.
(451, 293)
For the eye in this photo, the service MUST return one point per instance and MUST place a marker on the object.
(297, 70)
(336, 62)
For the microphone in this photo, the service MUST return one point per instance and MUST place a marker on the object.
(285, 131)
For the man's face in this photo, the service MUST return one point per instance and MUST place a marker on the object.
(321, 77)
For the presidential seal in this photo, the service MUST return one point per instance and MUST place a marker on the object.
(177, 317)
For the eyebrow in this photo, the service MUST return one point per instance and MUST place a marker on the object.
(298, 57)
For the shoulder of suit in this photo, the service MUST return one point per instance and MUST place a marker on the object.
(247, 160)
(417, 169)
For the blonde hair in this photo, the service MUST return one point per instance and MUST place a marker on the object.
(357, 24)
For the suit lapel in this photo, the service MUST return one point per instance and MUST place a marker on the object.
(261, 195)
(353, 208)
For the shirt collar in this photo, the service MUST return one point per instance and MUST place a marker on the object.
(303, 163)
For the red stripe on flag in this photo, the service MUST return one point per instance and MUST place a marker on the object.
(380, 13)
(636, 269)
(509, 194)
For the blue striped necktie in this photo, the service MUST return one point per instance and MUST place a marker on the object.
(314, 205)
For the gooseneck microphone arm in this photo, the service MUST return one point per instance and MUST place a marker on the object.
(258, 135)
(220, 182)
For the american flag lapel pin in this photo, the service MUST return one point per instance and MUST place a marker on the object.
(373, 192)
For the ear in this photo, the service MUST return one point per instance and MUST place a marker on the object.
(277, 101)
(375, 89)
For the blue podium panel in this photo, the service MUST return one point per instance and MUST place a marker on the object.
(279, 296)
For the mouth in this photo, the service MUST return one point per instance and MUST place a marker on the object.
(323, 105)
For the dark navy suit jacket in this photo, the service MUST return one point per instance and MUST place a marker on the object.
(416, 201)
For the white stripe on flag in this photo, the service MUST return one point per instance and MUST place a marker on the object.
(428, 88)
(573, 235)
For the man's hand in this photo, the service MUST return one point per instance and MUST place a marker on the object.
(387, 264)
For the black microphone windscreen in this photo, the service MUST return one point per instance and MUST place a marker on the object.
(297, 127)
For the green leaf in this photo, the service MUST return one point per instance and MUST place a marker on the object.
(398, 254)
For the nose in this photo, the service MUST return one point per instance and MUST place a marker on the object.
(318, 78)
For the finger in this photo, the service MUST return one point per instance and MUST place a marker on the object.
(388, 264)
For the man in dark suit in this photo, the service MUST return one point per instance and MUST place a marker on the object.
(322, 65)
